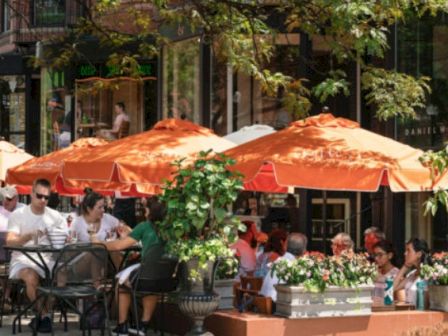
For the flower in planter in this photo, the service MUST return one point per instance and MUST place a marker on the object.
(437, 273)
(227, 268)
(198, 222)
(316, 272)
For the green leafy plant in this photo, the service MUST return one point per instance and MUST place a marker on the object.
(227, 268)
(199, 223)
(315, 272)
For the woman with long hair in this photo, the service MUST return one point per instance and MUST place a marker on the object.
(147, 235)
(275, 248)
(416, 254)
(384, 256)
(92, 219)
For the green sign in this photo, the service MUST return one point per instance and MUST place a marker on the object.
(89, 70)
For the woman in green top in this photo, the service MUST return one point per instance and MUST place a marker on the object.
(144, 233)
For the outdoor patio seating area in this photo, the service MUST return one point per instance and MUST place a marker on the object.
(89, 264)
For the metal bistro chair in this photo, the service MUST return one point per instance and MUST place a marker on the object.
(80, 272)
(124, 129)
(156, 275)
(6, 283)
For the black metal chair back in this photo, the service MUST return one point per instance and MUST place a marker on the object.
(4, 255)
(157, 273)
(81, 264)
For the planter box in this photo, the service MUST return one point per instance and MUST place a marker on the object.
(295, 302)
(225, 290)
(438, 297)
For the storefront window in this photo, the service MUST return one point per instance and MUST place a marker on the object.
(12, 109)
(55, 111)
(181, 90)
(250, 104)
(218, 118)
(49, 13)
(5, 21)
(423, 51)
(95, 105)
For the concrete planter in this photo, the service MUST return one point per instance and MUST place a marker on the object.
(438, 298)
(295, 302)
(225, 290)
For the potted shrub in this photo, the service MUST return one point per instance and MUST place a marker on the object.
(199, 227)
(224, 281)
(318, 286)
(437, 277)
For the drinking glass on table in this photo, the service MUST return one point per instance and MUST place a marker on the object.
(111, 235)
(72, 237)
(122, 230)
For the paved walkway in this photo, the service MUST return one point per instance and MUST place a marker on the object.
(73, 328)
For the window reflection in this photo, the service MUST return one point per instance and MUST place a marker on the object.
(181, 90)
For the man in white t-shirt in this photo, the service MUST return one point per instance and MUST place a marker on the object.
(10, 203)
(23, 226)
(295, 248)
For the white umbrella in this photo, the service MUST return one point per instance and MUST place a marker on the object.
(249, 133)
(11, 156)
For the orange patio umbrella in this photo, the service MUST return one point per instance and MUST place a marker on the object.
(327, 153)
(11, 156)
(49, 166)
(138, 164)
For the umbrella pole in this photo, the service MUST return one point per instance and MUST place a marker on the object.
(324, 219)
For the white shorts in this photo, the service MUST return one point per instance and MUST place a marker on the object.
(18, 266)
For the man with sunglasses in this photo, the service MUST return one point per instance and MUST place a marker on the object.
(10, 203)
(24, 226)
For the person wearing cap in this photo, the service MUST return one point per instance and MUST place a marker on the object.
(25, 225)
(296, 246)
(245, 249)
(10, 203)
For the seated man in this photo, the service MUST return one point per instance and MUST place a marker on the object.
(24, 225)
(112, 134)
(295, 248)
(10, 203)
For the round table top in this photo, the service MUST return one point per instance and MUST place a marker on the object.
(50, 248)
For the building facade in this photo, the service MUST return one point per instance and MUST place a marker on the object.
(45, 109)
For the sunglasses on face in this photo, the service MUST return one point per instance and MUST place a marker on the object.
(9, 199)
(42, 196)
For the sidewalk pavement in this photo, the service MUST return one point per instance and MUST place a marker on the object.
(73, 327)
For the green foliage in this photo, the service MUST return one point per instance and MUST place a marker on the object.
(332, 86)
(239, 33)
(227, 268)
(393, 93)
(437, 162)
(198, 222)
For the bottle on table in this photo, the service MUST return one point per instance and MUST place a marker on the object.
(389, 291)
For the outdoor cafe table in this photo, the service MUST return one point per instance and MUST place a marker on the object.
(35, 254)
